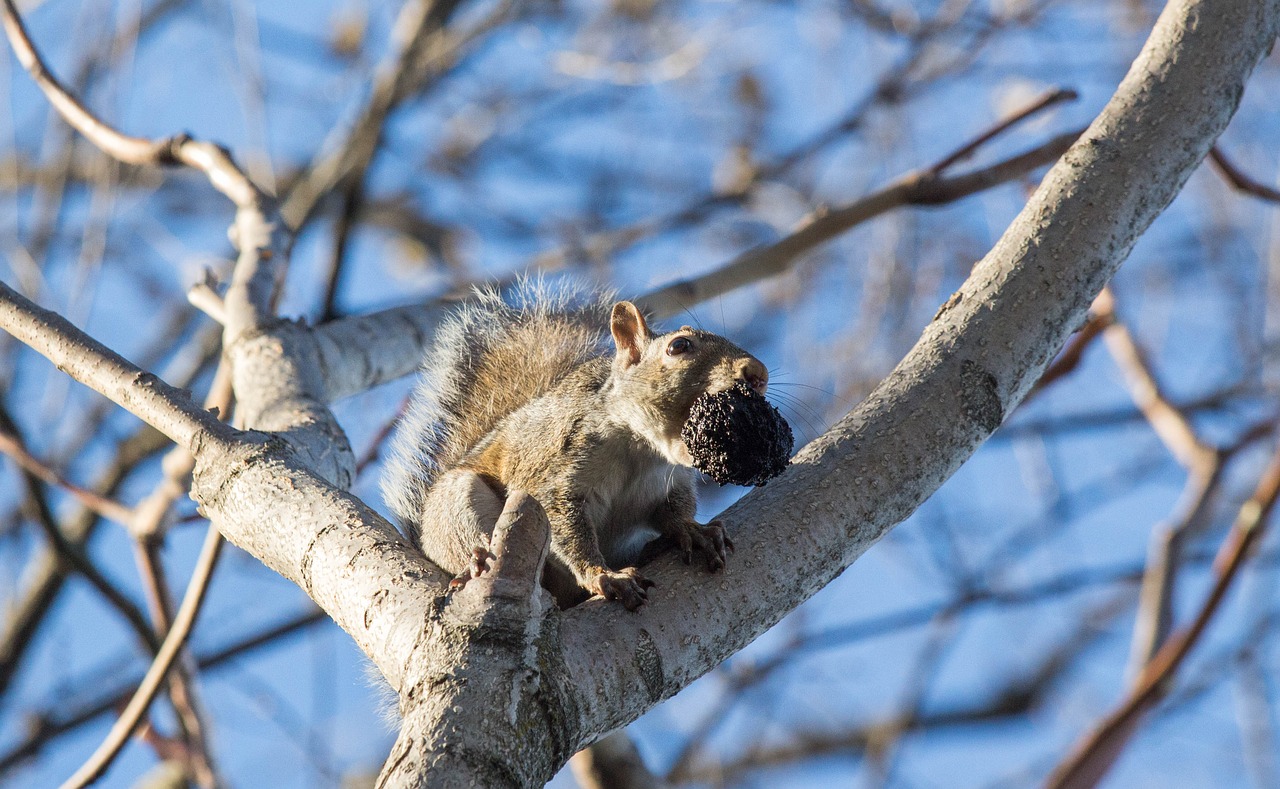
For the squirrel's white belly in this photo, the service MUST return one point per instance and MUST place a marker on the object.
(621, 504)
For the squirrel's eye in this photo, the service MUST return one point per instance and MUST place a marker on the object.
(678, 346)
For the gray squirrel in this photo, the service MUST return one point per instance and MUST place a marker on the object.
(524, 393)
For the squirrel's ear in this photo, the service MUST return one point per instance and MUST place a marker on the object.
(630, 332)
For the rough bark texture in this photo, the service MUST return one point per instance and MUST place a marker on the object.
(601, 667)
(498, 687)
(973, 364)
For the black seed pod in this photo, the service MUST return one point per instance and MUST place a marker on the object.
(737, 436)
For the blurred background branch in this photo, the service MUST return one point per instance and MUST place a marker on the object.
(660, 148)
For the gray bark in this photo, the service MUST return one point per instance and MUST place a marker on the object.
(500, 688)
(971, 367)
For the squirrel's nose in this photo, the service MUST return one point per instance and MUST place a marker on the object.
(754, 373)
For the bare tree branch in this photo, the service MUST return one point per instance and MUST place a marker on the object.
(57, 720)
(133, 712)
(1093, 756)
(102, 505)
(1239, 179)
(926, 187)
(972, 365)
(567, 678)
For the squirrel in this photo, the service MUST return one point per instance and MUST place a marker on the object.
(525, 394)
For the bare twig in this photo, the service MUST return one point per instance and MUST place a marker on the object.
(102, 505)
(423, 51)
(73, 555)
(155, 676)
(58, 720)
(204, 298)
(1171, 426)
(1069, 359)
(258, 241)
(375, 444)
(1019, 696)
(352, 198)
(918, 188)
(1093, 756)
(180, 148)
(105, 371)
(49, 572)
(182, 692)
(1049, 99)
(152, 512)
(1203, 465)
(1239, 179)
(613, 763)
(894, 85)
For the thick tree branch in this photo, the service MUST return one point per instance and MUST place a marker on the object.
(596, 668)
(972, 366)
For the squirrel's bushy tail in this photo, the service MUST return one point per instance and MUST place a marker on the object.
(493, 355)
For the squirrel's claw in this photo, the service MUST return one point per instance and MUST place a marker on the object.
(627, 586)
(711, 541)
(481, 563)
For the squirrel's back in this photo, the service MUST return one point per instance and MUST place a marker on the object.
(492, 356)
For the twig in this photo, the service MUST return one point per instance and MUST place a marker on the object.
(203, 297)
(165, 408)
(1239, 180)
(49, 573)
(352, 198)
(210, 159)
(422, 51)
(1202, 462)
(1050, 98)
(890, 88)
(129, 719)
(47, 727)
(261, 239)
(375, 444)
(1169, 424)
(257, 232)
(613, 763)
(182, 692)
(1069, 359)
(1020, 696)
(918, 188)
(162, 406)
(74, 555)
(75, 558)
(102, 505)
(151, 512)
(1094, 755)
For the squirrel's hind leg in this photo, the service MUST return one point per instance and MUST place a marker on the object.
(457, 523)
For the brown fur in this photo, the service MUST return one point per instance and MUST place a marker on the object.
(595, 440)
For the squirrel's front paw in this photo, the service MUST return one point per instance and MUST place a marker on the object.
(627, 586)
(481, 563)
(711, 541)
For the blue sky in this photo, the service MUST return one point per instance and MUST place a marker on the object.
(562, 124)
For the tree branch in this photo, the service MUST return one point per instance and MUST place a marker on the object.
(1093, 756)
(1239, 179)
(973, 364)
(183, 621)
(921, 188)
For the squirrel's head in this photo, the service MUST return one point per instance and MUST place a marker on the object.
(660, 375)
